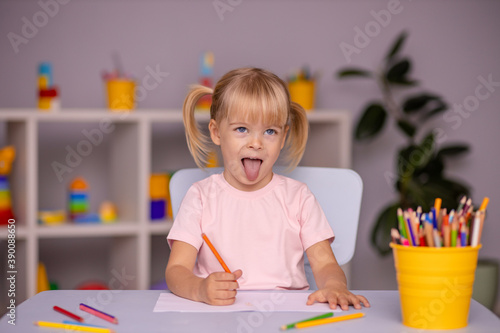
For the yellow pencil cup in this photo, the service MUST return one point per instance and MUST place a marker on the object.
(120, 94)
(435, 285)
(302, 92)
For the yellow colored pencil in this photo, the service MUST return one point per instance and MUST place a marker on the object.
(73, 327)
(329, 320)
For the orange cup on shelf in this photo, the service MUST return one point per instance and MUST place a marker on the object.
(302, 92)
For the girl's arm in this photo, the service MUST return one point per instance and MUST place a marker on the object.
(218, 288)
(331, 280)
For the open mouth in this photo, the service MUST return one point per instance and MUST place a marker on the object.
(252, 167)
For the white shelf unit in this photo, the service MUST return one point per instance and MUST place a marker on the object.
(117, 152)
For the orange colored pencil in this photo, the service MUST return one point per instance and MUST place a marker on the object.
(484, 204)
(223, 264)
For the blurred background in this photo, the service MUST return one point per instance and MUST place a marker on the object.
(453, 44)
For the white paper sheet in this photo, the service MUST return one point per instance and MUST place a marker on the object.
(272, 301)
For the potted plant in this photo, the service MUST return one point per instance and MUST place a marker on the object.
(420, 160)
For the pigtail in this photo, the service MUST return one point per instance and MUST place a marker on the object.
(197, 141)
(297, 134)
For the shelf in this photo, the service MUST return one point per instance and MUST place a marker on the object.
(160, 227)
(88, 230)
(21, 232)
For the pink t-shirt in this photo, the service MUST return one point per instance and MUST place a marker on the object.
(264, 233)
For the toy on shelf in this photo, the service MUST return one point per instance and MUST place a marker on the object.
(51, 217)
(159, 196)
(92, 285)
(42, 280)
(107, 212)
(7, 156)
(206, 79)
(78, 199)
(48, 93)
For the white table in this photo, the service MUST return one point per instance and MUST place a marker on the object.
(134, 310)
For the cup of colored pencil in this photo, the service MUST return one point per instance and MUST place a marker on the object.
(459, 227)
(435, 256)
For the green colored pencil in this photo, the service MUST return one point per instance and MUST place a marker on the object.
(292, 325)
(401, 224)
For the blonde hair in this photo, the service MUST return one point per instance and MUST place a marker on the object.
(257, 93)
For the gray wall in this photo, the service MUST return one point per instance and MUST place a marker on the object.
(453, 44)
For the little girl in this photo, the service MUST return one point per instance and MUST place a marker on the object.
(260, 222)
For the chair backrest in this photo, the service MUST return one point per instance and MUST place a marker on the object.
(338, 191)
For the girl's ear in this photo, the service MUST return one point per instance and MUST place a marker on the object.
(214, 132)
(284, 136)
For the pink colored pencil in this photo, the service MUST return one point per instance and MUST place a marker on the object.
(98, 313)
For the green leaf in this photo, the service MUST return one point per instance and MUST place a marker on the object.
(441, 106)
(453, 150)
(349, 72)
(398, 44)
(371, 122)
(407, 128)
(416, 103)
(413, 158)
(404, 165)
(433, 169)
(398, 73)
(381, 232)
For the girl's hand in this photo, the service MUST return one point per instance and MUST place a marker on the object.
(337, 295)
(219, 288)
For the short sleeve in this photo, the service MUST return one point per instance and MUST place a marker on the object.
(187, 224)
(314, 224)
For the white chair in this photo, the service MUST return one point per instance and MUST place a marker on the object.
(338, 191)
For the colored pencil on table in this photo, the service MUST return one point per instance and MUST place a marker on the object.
(214, 251)
(81, 324)
(292, 325)
(80, 328)
(329, 320)
(67, 313)
(98, 313)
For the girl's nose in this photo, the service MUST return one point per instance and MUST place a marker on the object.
(255, 142)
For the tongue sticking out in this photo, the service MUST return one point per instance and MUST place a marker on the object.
(252, 167)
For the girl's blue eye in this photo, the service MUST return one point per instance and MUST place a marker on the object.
(270, 131)
(241, 129)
